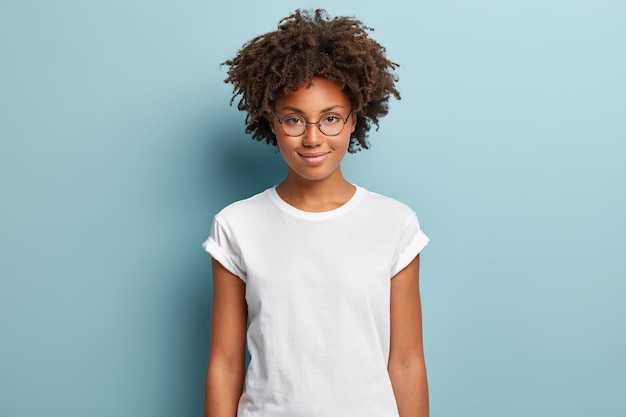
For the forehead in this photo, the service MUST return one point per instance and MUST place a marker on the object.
(320, 96)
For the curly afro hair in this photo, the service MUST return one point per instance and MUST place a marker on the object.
(309, 44)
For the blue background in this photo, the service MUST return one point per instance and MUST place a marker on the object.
(118, 145)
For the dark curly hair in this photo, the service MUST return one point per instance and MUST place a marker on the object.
(309, 44)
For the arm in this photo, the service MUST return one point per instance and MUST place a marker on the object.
(407, 369)
(225, 372)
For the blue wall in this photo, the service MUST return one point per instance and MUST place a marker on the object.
(117, 146)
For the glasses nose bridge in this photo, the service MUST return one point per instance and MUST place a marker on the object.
(307, 123)
(312, 137)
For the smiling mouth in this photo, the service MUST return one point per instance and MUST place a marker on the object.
(314, 158)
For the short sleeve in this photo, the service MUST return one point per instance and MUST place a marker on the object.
(411, 243)
(224, 249)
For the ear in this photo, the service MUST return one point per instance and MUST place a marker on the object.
(353, 119)
(271, 122)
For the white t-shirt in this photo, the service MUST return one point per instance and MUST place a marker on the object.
(318, 293)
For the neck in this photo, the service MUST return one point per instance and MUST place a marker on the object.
(316, 195)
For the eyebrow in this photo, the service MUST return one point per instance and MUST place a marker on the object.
(327, 109)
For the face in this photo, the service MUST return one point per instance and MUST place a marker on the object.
(313, 155)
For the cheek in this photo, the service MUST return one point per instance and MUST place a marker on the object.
(285, 142)
(342, 143)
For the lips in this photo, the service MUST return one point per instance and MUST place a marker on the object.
(314, 158)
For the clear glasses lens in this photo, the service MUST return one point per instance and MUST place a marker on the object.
(330, 124)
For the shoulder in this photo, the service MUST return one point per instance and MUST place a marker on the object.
(387, 205)
(246, 207)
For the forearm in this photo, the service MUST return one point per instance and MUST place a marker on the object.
(223, 389)
(410, 387)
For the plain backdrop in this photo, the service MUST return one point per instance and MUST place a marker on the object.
(118, 145)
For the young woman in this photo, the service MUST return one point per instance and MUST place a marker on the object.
(319, 276)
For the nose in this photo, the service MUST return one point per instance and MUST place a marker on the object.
(312, 136)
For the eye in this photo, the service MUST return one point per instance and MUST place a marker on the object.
(331, 119)
(292, 120)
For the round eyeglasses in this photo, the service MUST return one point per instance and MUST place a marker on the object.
(330, 124)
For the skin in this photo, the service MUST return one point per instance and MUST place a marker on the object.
(407, 368)
(314, 184)
(225, 371)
